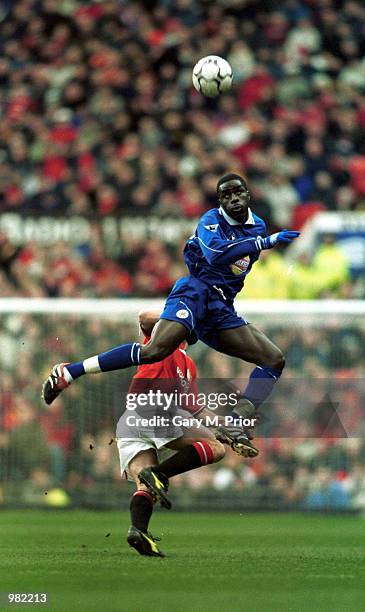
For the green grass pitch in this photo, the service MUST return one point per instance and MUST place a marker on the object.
(249, 562)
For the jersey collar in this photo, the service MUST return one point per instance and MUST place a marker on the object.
(250, 219)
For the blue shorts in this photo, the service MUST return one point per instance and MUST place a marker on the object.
(202, 309)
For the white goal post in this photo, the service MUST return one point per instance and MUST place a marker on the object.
(129, 307)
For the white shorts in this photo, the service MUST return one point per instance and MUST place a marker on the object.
(129, 448)
(132, 439)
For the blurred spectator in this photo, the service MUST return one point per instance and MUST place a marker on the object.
(35, 490)
(323, 276)
(331, 265)
(8, 255)
(59, 433)
(327, 492)
(271, 279)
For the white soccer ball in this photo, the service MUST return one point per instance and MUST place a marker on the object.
(212, 75)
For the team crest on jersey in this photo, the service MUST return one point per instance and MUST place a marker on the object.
(212, 228)
(240, 266)
(182, 314)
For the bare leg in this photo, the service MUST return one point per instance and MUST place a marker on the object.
(250, 344)
(167, 336)
(143, 459)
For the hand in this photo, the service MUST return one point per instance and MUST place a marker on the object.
(284, 236)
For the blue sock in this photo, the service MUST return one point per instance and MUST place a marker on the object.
(118, 358)
(76, 369)
(261, 383)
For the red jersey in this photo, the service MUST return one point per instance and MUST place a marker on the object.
(176, 372)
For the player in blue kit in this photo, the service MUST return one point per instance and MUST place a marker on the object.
(227, 242)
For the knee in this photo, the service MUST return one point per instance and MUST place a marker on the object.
(277, 360)
(153, 351)
(217, 449)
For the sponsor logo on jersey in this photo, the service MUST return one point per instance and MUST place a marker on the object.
(182, 314)
(212, 228)
(240, 266)
(184, 381)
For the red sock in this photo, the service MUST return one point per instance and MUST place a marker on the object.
(205, 452)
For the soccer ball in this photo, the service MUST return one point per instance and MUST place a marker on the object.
(212, 75)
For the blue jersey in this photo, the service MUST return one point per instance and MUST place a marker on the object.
(222, 251)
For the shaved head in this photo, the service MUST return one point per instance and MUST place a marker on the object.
(231, 177)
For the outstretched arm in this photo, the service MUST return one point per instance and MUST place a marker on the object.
(218, 250)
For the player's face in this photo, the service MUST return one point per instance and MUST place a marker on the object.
(234, 198)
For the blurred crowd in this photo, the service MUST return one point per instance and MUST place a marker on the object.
(149, 269)
(312, 450)
(140, 269)
(99, 118)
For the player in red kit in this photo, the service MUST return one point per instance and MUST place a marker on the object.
(150, 454)
(142, 448)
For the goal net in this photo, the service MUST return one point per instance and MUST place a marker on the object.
(310, 436)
